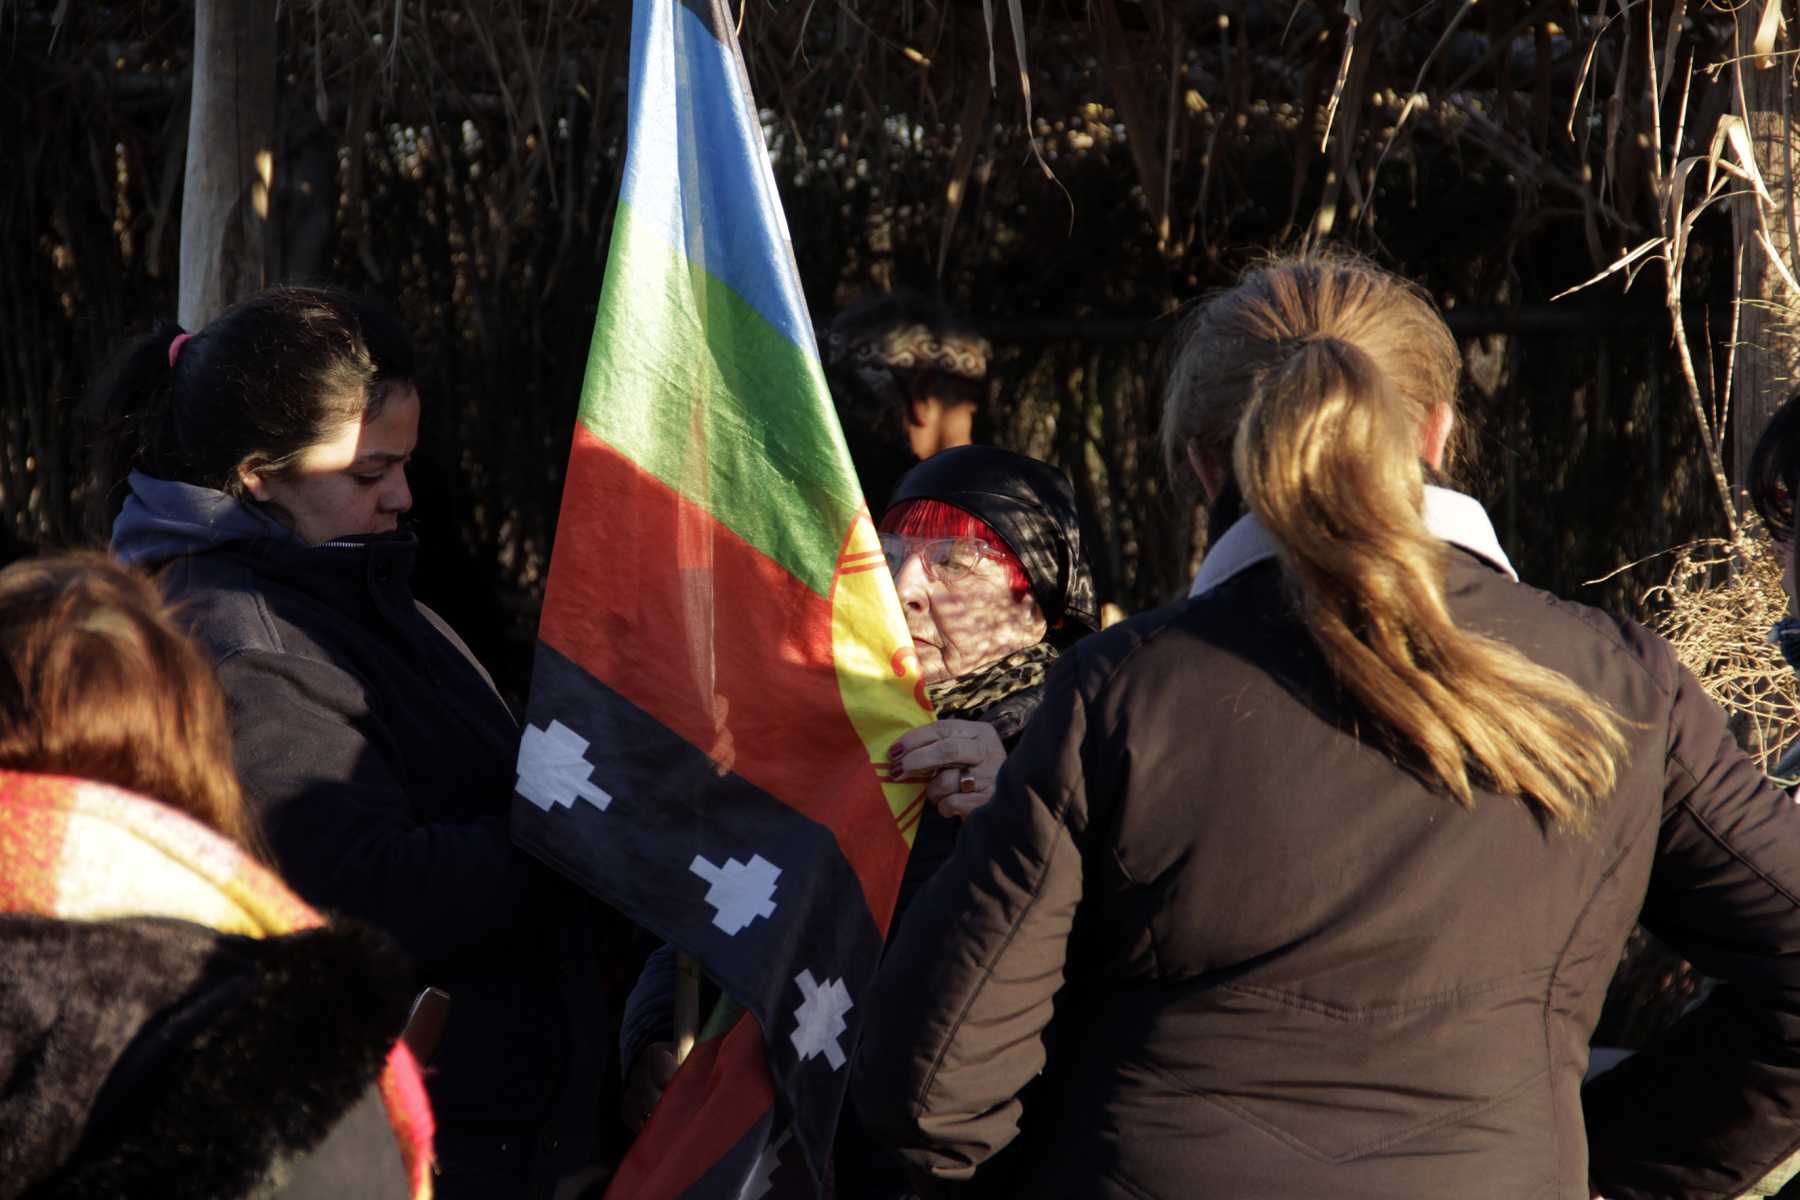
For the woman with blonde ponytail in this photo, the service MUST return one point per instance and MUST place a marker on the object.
(1312, 883)
(1329, 450)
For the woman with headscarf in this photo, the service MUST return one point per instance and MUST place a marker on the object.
(1312, 884)
(985, 547)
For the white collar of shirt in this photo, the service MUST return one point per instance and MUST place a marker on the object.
(1449, 516)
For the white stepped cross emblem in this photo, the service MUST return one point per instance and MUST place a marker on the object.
(554, 770)
(820, 1019)
(740, 892)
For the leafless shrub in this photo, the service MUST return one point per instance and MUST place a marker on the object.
(1715, 609)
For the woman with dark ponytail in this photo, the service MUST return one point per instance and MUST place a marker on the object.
(1323, 872)
(258, 467)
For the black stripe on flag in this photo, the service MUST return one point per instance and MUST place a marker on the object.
(765, 1162)
(667, 807)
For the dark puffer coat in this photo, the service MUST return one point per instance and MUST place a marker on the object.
(1255, 956)
(380, 762)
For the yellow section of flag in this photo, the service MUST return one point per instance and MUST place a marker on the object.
(878, 673)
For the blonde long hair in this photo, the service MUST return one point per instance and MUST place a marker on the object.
(1314, 378)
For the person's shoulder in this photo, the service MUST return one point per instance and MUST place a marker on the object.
(222, 600)
(1248, 597)
(1100, 656)
(1580, 640)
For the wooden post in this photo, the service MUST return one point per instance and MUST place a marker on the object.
(1767, 367)
(687, 1005)
(230, 157)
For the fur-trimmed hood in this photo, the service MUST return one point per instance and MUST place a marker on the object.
(148, 1056)
(168, 1005)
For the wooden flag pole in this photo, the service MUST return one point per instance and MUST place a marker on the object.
(687, 1005)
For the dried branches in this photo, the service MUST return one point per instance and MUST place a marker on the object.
(478, 146)
(1732, 178)
(1718, 602)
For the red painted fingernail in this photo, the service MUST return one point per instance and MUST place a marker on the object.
(896, 750)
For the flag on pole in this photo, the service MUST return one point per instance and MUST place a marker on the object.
(722, 662)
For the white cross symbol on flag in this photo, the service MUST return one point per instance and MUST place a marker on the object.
(762, 1179)
(821, 1019)
(741, 892)
(553, 769)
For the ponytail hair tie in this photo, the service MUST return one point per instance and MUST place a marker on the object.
(175, 348)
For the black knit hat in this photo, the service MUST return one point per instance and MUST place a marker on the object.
(1032, 507)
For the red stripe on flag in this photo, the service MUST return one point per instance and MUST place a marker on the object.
(774, 715)
(719, 1093)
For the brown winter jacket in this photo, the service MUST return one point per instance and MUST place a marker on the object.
(1253, 956)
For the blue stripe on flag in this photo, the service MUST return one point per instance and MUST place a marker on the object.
(695, 169)
(717, 23)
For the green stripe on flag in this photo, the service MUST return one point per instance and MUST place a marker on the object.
(701, 391)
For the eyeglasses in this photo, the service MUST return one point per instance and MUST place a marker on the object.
(946, 559)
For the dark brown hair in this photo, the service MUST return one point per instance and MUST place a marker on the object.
(1775, 471)
(97, 682)
(261, 382)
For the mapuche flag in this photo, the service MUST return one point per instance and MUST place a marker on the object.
(722, 662)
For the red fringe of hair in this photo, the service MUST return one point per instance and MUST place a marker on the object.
(938, 519)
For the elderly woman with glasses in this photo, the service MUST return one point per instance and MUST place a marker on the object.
(985, 547)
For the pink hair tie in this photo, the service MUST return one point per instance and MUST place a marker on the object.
(175, 348)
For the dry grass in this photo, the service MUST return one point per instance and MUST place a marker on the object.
(1715, 609)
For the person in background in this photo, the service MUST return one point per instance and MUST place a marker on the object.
(1773, 482)
(1312, 885)
(259, 467)
(172, 1019)
(908, 379)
